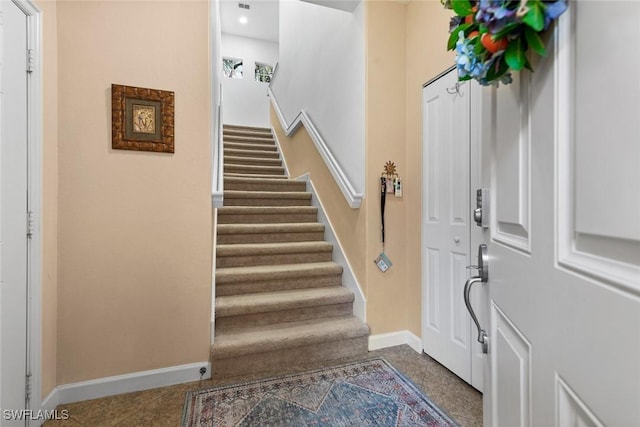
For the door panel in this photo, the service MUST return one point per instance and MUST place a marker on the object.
(598, 227)
(569, 307)
(13, 209)
(512, 163)
(512, 381)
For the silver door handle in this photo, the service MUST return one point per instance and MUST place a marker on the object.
(482, 277)
(482, 334)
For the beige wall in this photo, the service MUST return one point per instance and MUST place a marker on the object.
(405, 47)
(134, 227)
(49, 196)
(427, 56)
(385, 141)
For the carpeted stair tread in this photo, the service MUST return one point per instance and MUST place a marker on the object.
(229, 126)
(286, 336)
(253, 176)
(266, 170)
(280, 277)
(250, 147)
(270, 228)
(266, 214)
(270, 233)
(248, 183)
(249, 139)
(276, 272)
(252, 161)
(235, 305)
(247, 132)
(240, 194)
(266, 198)
(251, 153)
(233, 250)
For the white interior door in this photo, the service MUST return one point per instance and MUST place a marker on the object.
(13, 210)
(563, 154)
(446, 225)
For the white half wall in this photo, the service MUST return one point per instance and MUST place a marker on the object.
(217, 154)
(245, 100)
(321, 71)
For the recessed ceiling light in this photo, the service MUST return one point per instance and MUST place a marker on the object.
(243, 20)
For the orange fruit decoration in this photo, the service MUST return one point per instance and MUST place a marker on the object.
(492, 45)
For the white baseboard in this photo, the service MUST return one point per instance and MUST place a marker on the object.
(392, 339)
(51, 401)
(280, 152)
(127, 383)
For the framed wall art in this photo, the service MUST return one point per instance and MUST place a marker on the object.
(142, 119)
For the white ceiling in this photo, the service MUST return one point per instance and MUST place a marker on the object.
(262, 19)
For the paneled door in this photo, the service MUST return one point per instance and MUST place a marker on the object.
(446, 229)
(561, 154)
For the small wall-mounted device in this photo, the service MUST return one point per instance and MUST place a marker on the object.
(481, 212)
(383, 262)
(397, 184)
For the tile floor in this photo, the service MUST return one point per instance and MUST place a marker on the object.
(163, 406)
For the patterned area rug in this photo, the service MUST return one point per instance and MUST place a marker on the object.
(370, 393)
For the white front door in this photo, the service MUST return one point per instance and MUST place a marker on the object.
(446, 226)
(13, 211)
(561, 154)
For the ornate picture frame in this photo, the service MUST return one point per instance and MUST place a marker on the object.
(142, 119)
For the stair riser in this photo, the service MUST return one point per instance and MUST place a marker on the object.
(246, 133)
(282, 360)
(272, 259)
(251, 153)
(270, 237)
(257, 161)
(254, 176)
(250, 147)
(266, 202)
(246, 129)
(248, 140)
(232, 127)
(279, 218)
(235, 168)
(238, 323)
(265, 186)
(250, 287)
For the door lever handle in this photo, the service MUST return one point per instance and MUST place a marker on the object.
(482, 277)
(482, 334)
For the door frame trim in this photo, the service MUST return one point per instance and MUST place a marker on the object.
(34, 199)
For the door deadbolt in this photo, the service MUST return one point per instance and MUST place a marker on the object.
(481, 212)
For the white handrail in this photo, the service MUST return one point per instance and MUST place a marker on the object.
(354, 198)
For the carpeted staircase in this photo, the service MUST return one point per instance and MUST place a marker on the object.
(279, 296)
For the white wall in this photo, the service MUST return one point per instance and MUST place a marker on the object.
(321, 71)
(245, 100)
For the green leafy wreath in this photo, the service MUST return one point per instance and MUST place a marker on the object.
(492, 37)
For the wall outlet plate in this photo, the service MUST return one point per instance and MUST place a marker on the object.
(383, 262)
